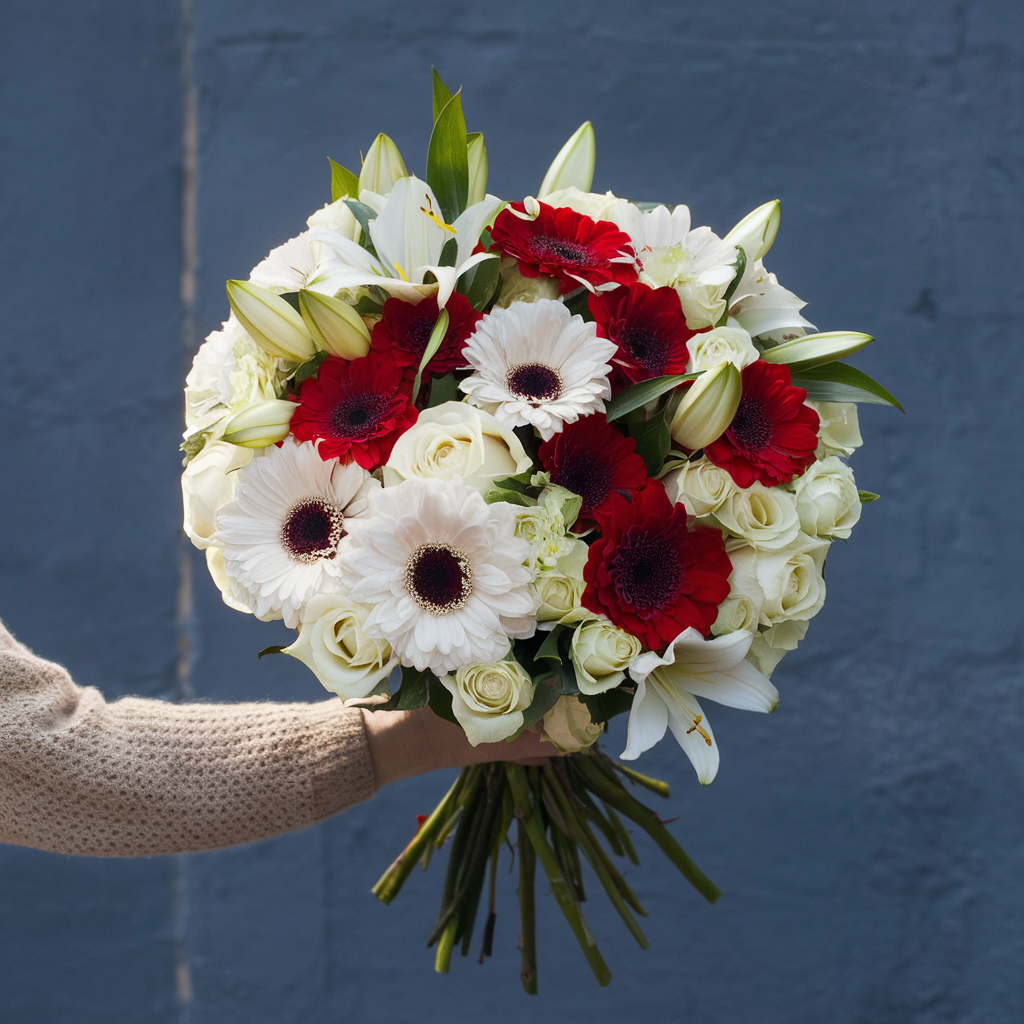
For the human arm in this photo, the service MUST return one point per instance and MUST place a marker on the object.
(137, 777)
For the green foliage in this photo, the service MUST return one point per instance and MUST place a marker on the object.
(343, 182)
(448, 160)
(840, 382)
(480, 284)
(443, 389)
(436, 337)
(276, 649)
(638, 395)
(442, 94)
(866, 497)
(194, 444)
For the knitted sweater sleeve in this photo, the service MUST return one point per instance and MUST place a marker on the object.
(137, 777)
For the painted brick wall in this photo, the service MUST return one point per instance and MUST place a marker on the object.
(868, 836)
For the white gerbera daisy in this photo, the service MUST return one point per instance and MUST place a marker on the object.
(302, 262)
(539, 365)
(281, 533)
(442, 571)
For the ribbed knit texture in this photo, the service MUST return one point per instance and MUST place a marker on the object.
(136, 777)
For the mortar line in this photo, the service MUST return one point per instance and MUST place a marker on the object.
(185, 612)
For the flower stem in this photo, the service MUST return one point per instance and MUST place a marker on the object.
(527, 909)
(560, 887)
(443, 960)
(625, 804)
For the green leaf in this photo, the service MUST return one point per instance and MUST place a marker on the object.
(741, 266)
(520, 482)
(442, 94)
(412, 694)
(449, 254)
(546, 692)
(443, 389)
(343, 182)
(440, 700)
(549, 649)
(370, 305)
(866, 497)
(194, 444)
(578, 303)
(309, 368)
(604, 706)
(436, 337)
(496, 494)
(840, 382)
(276, 649)
(637, 395)
(479, 283)
(448, 160)
(364, 214)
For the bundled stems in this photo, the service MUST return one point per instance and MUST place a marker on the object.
(560, 810)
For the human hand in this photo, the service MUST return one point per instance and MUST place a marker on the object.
(406, 743)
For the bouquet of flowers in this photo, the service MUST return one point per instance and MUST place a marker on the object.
(536, 463)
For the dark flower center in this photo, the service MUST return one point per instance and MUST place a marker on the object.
(312, 529)
(585, 473)
(439, 578)
(643, 346)
(415, 334)
(646, 571)
(751, 426)
(535, 382)
(357, 415)
(546, 249)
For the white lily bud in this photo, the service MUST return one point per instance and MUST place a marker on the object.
(261, 425)
(270, 321)
(816, 349)
(574, 165)
(477, 153)
(336, 327)
(708, 407)
(756, 232)
(382, 167)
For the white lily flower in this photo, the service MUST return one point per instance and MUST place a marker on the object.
(763, 308)
(409, 236)
(668, 687)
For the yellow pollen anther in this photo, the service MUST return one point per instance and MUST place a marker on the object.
(401, 272)
(697, 726)
(437, 220)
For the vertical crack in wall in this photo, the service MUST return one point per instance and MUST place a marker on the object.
(184, 608)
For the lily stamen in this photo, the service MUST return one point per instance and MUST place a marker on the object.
(697, 726)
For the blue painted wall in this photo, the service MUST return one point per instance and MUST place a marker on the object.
(870, 835)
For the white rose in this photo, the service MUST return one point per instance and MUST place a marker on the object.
(332, 643)
(595, 205)
(488, 700)
(839, 429)
(601, 653)
(569, 727)
(770, 646)
(700, 485)
(456, 439)
(557, 595)
(740, 611)
(207, 483)
(790, 579)
(517, 288)
(765, 517)
(827, 499)
(703, 300)
(729, 344)
(337, 217)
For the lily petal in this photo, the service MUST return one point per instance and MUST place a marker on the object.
(408, 232)
(692, 732)
(470, 225)
(648, 720)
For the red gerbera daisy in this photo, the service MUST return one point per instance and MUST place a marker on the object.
(649, 327)
(592, 459)
(405, 328)
(773, 435)
(565, 245)
(651, 575)
(356, 410)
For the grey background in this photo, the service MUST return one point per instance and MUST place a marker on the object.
(869, 835)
